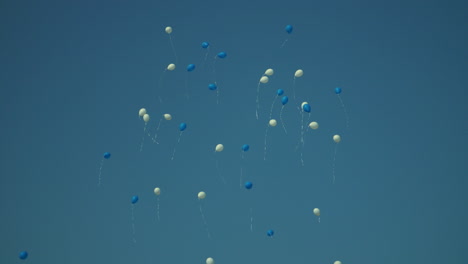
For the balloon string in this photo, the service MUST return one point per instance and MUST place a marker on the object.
(272, 104)
(265, 149)
(219, 172)
(345, 111)
(187, 87)
(133, 224)
(143, 138)
(204, 222)
(217, 93)
(178, 140)
(334, 159)
(156, 133)
(258, 104)
(281, 118)
(302, 137)
(173, 49)
(251, 220)
(158, 209)
(100, 171)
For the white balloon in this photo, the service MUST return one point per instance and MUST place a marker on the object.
(269, 72)
(146, 118)
(337, 262)
(210, 261)
(337, 138)
(302, 105)
(167, 116)
(157, 191)
(171, 66)
(219, 148)
(314, 125)
(298, 73)
(264, 79)
(142, 112)
(316, 211)
(273, 122)
(201, 195)
(168, 30)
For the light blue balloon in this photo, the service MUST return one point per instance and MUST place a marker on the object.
(289, 29)
(337, 90)
(280, 92)
(23, 255)
(284, 100)
(134, 199)
(306, 108)
(245, 147)
(270, 232)
(191, 67)
(182, 126)
(107, 155)
(212, 86)
(205, 44)
(222, 55)
(248, 185)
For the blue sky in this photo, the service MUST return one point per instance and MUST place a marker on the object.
(75, 73)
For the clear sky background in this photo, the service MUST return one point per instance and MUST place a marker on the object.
(73, 75)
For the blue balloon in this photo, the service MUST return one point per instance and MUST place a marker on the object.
(270, 233)
(248, 185)
(284, 100)
(212, 86)
(191, 67)
(222, 55)
(337, 90)
(289, 29)
(134, 199)
(182, 126)
(280, 92)
(245, 147)
(107, 155)
(23, 255)
(306, 108)
(205, 44)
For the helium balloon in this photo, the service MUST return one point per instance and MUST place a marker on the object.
(171, 67)
(205, 44)
(222, 55)
(219, 148)
(337, 262)
(168, 30)
(201, 195)
(269, 72)
(273, 122)
(264, 79)
(316, 211)
(245, 147)
(280, 92)
(212, 86)
(167, 117)
(337, 138)
(182, 126)
(288, 29)
(313, 125)
(190, 67)
(210, 261)
(23, 255)
(337, 90)
(157, 191)
(146, 118)
(134, 199)
(270, 233)
(306, 108)
(142, 112)
(298, 73)
(284, 100)
(107, 155)
(248, 185)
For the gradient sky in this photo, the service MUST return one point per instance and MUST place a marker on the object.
(73, 75)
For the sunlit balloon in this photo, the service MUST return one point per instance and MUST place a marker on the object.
(168, 30)
(273, 122)
(167, 117)
(337, 262)
(316, 211)
(313, 125)
(219, 148)
(146, 118)
(201, 195)
(264, 79)
(337, 138)
(210, 261)
(171, 67)
(142, 112)
(298, 73)
(269, 72)
(157, 191)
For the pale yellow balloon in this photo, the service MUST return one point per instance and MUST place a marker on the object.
(142, 112)
(316, 211)
(167, 117)
(201, 195)
(171, 67)
(210, 261)
(302, 105)
(314, 125)
(337, 262)
(219, 148)
(273, 123)
(337, 138)
(157, 191)
(264, 79)
(146, 118)
(298, 73)
(269, 72)
(168, 30)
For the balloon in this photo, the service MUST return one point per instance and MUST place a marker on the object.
(284, 100)
(248, 185)
(210, 261)
(280, 92)
(23, 255)
(171, 66)
(316, 211)
(146, 118)
(167, 117)
(306, 108)
(107, 155)
(219, 148)
(182, 126)
(157, 191)
(302, 105)
(337, 90)
(212, 86)
(273, 122)
(269, 72)
(298, 73)
(168, 30)
(288, 29)
(337, 262)
(245, 147)
(337, 138)
(222, 55)
(205, 44)
(313, 125)
(264, 79)
(270, 233)
(134, 199)
(190, 67)
(142, 112)
(201, 195)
